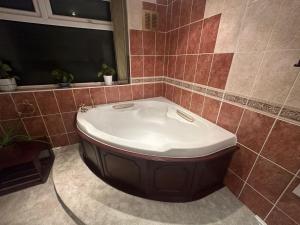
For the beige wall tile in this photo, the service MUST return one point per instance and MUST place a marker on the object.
(242, 73)
(230, 25)
(286, 32)
(135, 16)
(259, 20)
(276, 76)
(294, 98)
(213, 7)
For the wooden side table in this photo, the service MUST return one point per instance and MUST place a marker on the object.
(24, 164)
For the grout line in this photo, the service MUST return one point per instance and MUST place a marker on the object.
(143, 63)
(280, 196)
(63, 122)
(91, 98)
(257, 157)
(119, 99)
(269, 160)
(245, 183)
(42, 118)
(105, 95)
(18, 115)
(74, 99)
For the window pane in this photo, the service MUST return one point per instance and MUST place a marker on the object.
(92, 9)
(26, 5)
(34, 50)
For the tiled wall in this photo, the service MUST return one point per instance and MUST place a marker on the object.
(231, 62)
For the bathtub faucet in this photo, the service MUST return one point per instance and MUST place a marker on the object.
(83, 108)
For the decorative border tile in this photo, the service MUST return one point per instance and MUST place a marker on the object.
(199, 89)
(290, 114)
(235, 99)
(214, 93)
(259, 105)
(265, 107)
(147, 79)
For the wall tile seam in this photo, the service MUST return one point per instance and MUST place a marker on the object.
(280, 197)
(42, 118)
(62, 119)
(18, 115)
(155, 54)
(269, 160)
(273, 204)
(245, 183)
(143, 50)
(186, 48)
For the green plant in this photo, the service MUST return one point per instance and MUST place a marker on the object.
(11, 136)
(106, 70)
(5, 69)
(61, 76)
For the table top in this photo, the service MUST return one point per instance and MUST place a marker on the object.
(20, 153)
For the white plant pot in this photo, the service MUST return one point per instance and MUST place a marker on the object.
(108, 79)
(8, 84)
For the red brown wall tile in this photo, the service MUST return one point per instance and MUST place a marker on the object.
(211, 109)
(284, 136)
(26, 104)
(254, 129)
(6, 103)
(65, 100)
(257, 203)
(277, 217)
(209, 34)
(220, 70)
(270, 186)
(229, 117)
(47, 102)
(82, 97)
(98, 96)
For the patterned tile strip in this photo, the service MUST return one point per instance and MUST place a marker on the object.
(270, 108)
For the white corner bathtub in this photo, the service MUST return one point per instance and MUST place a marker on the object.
(154, 127)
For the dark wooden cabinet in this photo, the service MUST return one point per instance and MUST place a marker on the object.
(24, 164)
(157, 178)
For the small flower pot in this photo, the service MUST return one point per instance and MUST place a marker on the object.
(8, 84)
(108, 80)
(64, 85)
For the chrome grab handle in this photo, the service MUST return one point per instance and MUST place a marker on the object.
(185, 116)
(123, 106)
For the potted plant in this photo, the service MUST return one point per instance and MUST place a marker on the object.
(7, 81)
(10, 138)
(62, 77)
(107, 72)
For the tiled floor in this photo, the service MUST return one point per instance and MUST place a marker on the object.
(94, 202)
(33, 206)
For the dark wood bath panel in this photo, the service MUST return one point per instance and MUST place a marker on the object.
(157, 178)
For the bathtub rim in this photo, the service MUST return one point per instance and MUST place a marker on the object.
(118, 150)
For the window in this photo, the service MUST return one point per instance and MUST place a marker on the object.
(26, 5)
(75, 35)
(92, 9)
(34, 50)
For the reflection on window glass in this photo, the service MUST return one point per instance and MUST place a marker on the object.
(26, 5)
(33, 50)
(92, 9)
